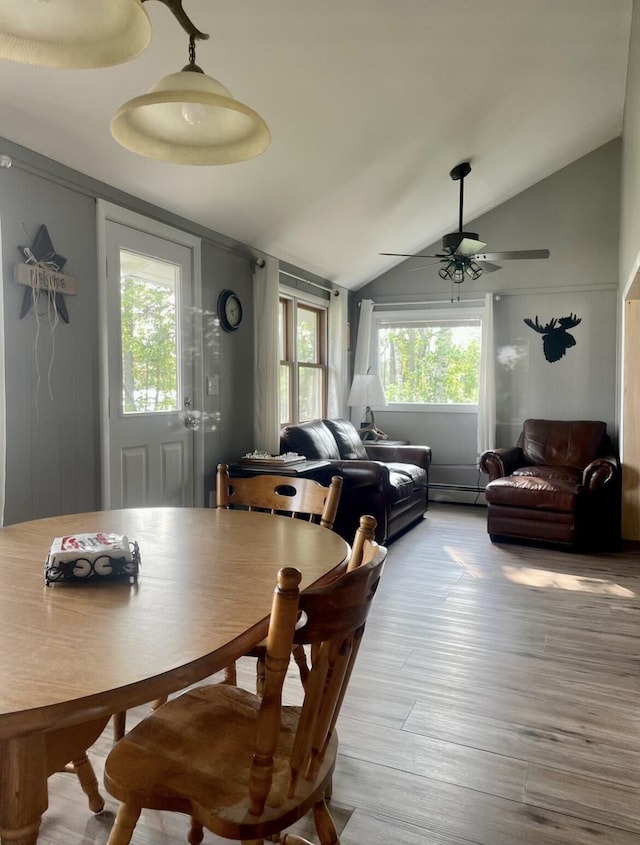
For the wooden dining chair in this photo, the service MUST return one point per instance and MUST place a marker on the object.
(281, 495)
(242, 766)
(363, 550)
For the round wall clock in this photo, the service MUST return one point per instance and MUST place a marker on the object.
(229, 310)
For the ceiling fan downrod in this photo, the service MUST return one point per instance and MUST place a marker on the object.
(457, 174)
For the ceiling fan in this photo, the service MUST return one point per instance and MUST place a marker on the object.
(461, 251)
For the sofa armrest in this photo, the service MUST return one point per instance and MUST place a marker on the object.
(498, 463)
(418, 455)
(362, 473)
(364, 491)
(599, 472)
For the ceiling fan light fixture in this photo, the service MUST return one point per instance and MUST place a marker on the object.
(190, 118)
(473, 270)
(458, 275)
(73, 33)
(447, 270)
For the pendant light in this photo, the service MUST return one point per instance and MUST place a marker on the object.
(190, 118)
(73, 33)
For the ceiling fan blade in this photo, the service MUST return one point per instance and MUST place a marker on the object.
(469, 247)
(488, 267)
(421, 267)
(508, 256)
(405, 255)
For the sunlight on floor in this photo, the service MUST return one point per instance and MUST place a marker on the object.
(562, 581)
(462, 560)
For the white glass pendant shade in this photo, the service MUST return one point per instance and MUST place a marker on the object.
(73, 33)
(190, 118)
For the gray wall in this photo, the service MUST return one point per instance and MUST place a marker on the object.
(630, 214)
(53, 463)
(229, 415)
(52, 438)
(575, 214)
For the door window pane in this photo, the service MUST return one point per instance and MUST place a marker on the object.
(149, 334)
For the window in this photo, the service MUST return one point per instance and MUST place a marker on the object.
(303, 359)
(431, 358)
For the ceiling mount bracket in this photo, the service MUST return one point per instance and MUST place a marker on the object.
(460, 171)
(181, 16)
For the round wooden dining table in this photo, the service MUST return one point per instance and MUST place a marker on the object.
(74, 653)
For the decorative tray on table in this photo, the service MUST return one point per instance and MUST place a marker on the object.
(265, 459)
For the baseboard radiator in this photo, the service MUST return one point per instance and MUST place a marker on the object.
(461, 494)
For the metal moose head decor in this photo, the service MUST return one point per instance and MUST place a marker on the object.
(555, 336)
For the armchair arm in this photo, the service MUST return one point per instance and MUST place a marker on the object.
(498, 463)
(600, 472)
(418, 455)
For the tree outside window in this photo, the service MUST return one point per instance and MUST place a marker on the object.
(149, 346)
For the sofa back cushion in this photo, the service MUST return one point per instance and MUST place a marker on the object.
(311, 439)
(350, 446)
(572, 443)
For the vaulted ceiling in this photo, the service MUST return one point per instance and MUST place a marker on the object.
(370, 104)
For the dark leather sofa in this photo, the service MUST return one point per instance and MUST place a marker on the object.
(389, 482)
(560, 484)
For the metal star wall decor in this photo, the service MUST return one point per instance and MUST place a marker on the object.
(43, 256)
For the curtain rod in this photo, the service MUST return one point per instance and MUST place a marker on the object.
(308, 282)
(424, 302)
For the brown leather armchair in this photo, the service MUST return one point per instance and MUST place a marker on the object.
(560, 484)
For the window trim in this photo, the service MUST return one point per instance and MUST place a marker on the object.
(424, 314)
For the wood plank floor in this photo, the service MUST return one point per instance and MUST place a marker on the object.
(495, 702)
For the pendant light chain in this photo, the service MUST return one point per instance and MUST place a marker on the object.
(192, 49)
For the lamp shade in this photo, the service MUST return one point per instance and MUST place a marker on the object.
(190, 118)
(73, 33)
(367, 390)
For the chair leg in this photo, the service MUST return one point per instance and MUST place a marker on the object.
(126, 820)
(119, 725)
(328, 793)
(87, 777)
(300, 656)
(324, 824)
(230, 676)
(196, 832)
(158, 702)
(261, 675)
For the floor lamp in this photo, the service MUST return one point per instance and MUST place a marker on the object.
(367, 390)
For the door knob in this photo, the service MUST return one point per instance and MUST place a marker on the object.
(192, 421)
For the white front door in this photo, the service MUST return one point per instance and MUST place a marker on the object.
(151, 364)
